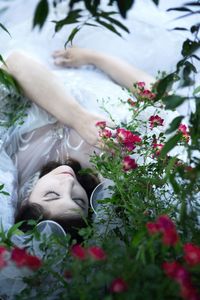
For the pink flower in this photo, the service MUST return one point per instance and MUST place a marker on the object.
(105, 133)
(184, 130)
(97, 253)
(78, 252)
(129, 163)
(147, 94)
(155, 121)
(23, 259)
(101, 124)
(158, 148)
(118, 285)
(191, 254)
(141, 84)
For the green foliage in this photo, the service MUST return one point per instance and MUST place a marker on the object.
(5, 29)
(14, 110)
(2, 190)
(95, 16)
(41, 13)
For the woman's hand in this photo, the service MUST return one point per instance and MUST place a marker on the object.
(86, 127)
(72, 57)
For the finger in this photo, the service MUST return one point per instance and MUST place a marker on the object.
(62, 62)
(58, 53)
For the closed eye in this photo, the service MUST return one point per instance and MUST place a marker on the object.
(52, 195)
(80, 202)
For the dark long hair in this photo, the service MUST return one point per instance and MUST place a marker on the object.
(33, 211)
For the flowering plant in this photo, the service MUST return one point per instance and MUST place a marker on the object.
(145, 248)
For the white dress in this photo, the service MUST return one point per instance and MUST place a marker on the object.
(25, 148)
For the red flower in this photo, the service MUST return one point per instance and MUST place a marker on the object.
(2, 250)
(23, 259)
(177, 272)
(165, 223)
(192, 254)
(167, 228)
(170, 237)
(152, 228)
(78, 251)
(129, 163)
(118, 285)
(3, 262)
(105, 133)
(131, 102)
(33, 262)
(147, 94)
(184, 130)
(188, 292)
(158, 148)
(127, 138)
(141, 84)
(97, 253)
(19, 256)
(101, 124)
(155, 121)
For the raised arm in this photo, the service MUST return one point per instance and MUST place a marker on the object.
(42, 86)
(120, 71)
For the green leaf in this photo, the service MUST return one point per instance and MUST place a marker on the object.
(165, 84)
(9, 81)
(71, 18)
(1, 186)
(180, 28)
(170, 144)
(175, 124)
(2, 60)
(189, 47)
(72, 35)
(108, 26)
(179, 9)
(14, 229)
(124, 6)
(197, 90)
(41, 13)
(156, 2)
(5, 193)
(4, 28)
(171, 102)
(116, 22)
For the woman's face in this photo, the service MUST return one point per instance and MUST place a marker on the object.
(61, 194)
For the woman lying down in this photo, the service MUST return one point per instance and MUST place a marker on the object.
(59, 133)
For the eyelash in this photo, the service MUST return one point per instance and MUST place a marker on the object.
(50, 192)
(74, 199)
